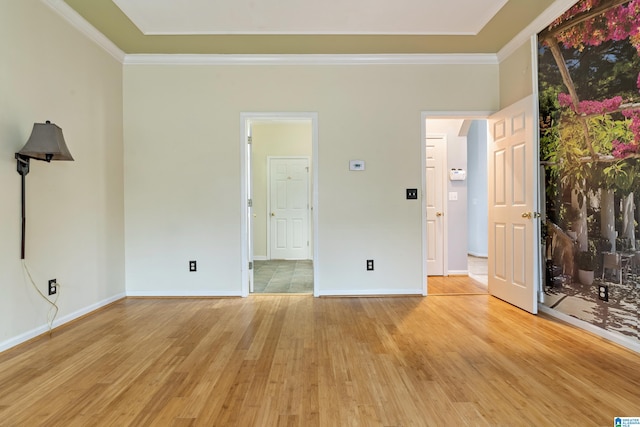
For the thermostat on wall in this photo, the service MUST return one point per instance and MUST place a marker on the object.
(356, 165)
(457, 174)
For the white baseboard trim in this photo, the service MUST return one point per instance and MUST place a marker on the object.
(369, 292)
(12, 342)
(182, 293)
(260, 258)
(458, 273)
(608, 335)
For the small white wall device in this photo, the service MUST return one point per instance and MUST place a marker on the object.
(457, 175)
(356, 165)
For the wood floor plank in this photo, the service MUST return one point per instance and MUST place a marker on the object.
(454, 285)
(304, 361)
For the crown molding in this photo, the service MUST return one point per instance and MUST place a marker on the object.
(545, 18)
(312, 59)
(81, 24)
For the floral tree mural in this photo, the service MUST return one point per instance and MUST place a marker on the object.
(589, 88)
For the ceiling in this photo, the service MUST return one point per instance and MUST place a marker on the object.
(309, 27)
(461, 17)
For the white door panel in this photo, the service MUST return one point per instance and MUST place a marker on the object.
(289, 206)
(434, 200)
(248, 162)
(513, 227)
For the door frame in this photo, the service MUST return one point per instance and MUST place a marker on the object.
(245, 124)
(424, 116)
(309, 203)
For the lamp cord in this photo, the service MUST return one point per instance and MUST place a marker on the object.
(24, 217)
(53, 310)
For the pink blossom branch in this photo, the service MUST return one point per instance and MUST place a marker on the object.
(622, 107)
(581, 17)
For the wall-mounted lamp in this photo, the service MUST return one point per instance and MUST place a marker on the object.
(45, 143)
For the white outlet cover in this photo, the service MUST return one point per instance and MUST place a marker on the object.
(453, 195)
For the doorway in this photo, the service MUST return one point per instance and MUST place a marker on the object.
(279, 182)
(513, 244)
(456, 204)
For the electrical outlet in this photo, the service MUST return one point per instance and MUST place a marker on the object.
(193, 266)
(603, 293)
(369, 265)
(53, 287)
(412, 193)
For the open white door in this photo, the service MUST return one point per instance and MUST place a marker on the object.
(513, 227)
(249, 164)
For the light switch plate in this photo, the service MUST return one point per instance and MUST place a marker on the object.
(453, 195)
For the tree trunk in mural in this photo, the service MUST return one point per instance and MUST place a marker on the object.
(580, 224)
(608, 217)
(628, 215)
(637, 217)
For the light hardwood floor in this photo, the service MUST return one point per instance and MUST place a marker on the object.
(454, 285)
(304, 361)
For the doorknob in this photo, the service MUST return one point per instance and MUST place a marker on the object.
(439, 214)
(273, 214)
(527, 215)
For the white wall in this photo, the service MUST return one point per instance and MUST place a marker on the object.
(182, 167)
(75, 213)
(274, 139)
(478, 213)
(456, 210)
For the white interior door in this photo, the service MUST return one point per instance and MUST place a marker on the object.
(434, 199)
(512, 219)
(289, 207)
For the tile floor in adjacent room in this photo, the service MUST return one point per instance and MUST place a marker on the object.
(283, 276)
(477, 269)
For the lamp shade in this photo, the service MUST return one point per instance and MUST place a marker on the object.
(46, 143)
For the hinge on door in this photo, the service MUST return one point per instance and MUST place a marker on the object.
(250, 203)
(249, 139)
(307, 168)
(307, 243)
(250, 265)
